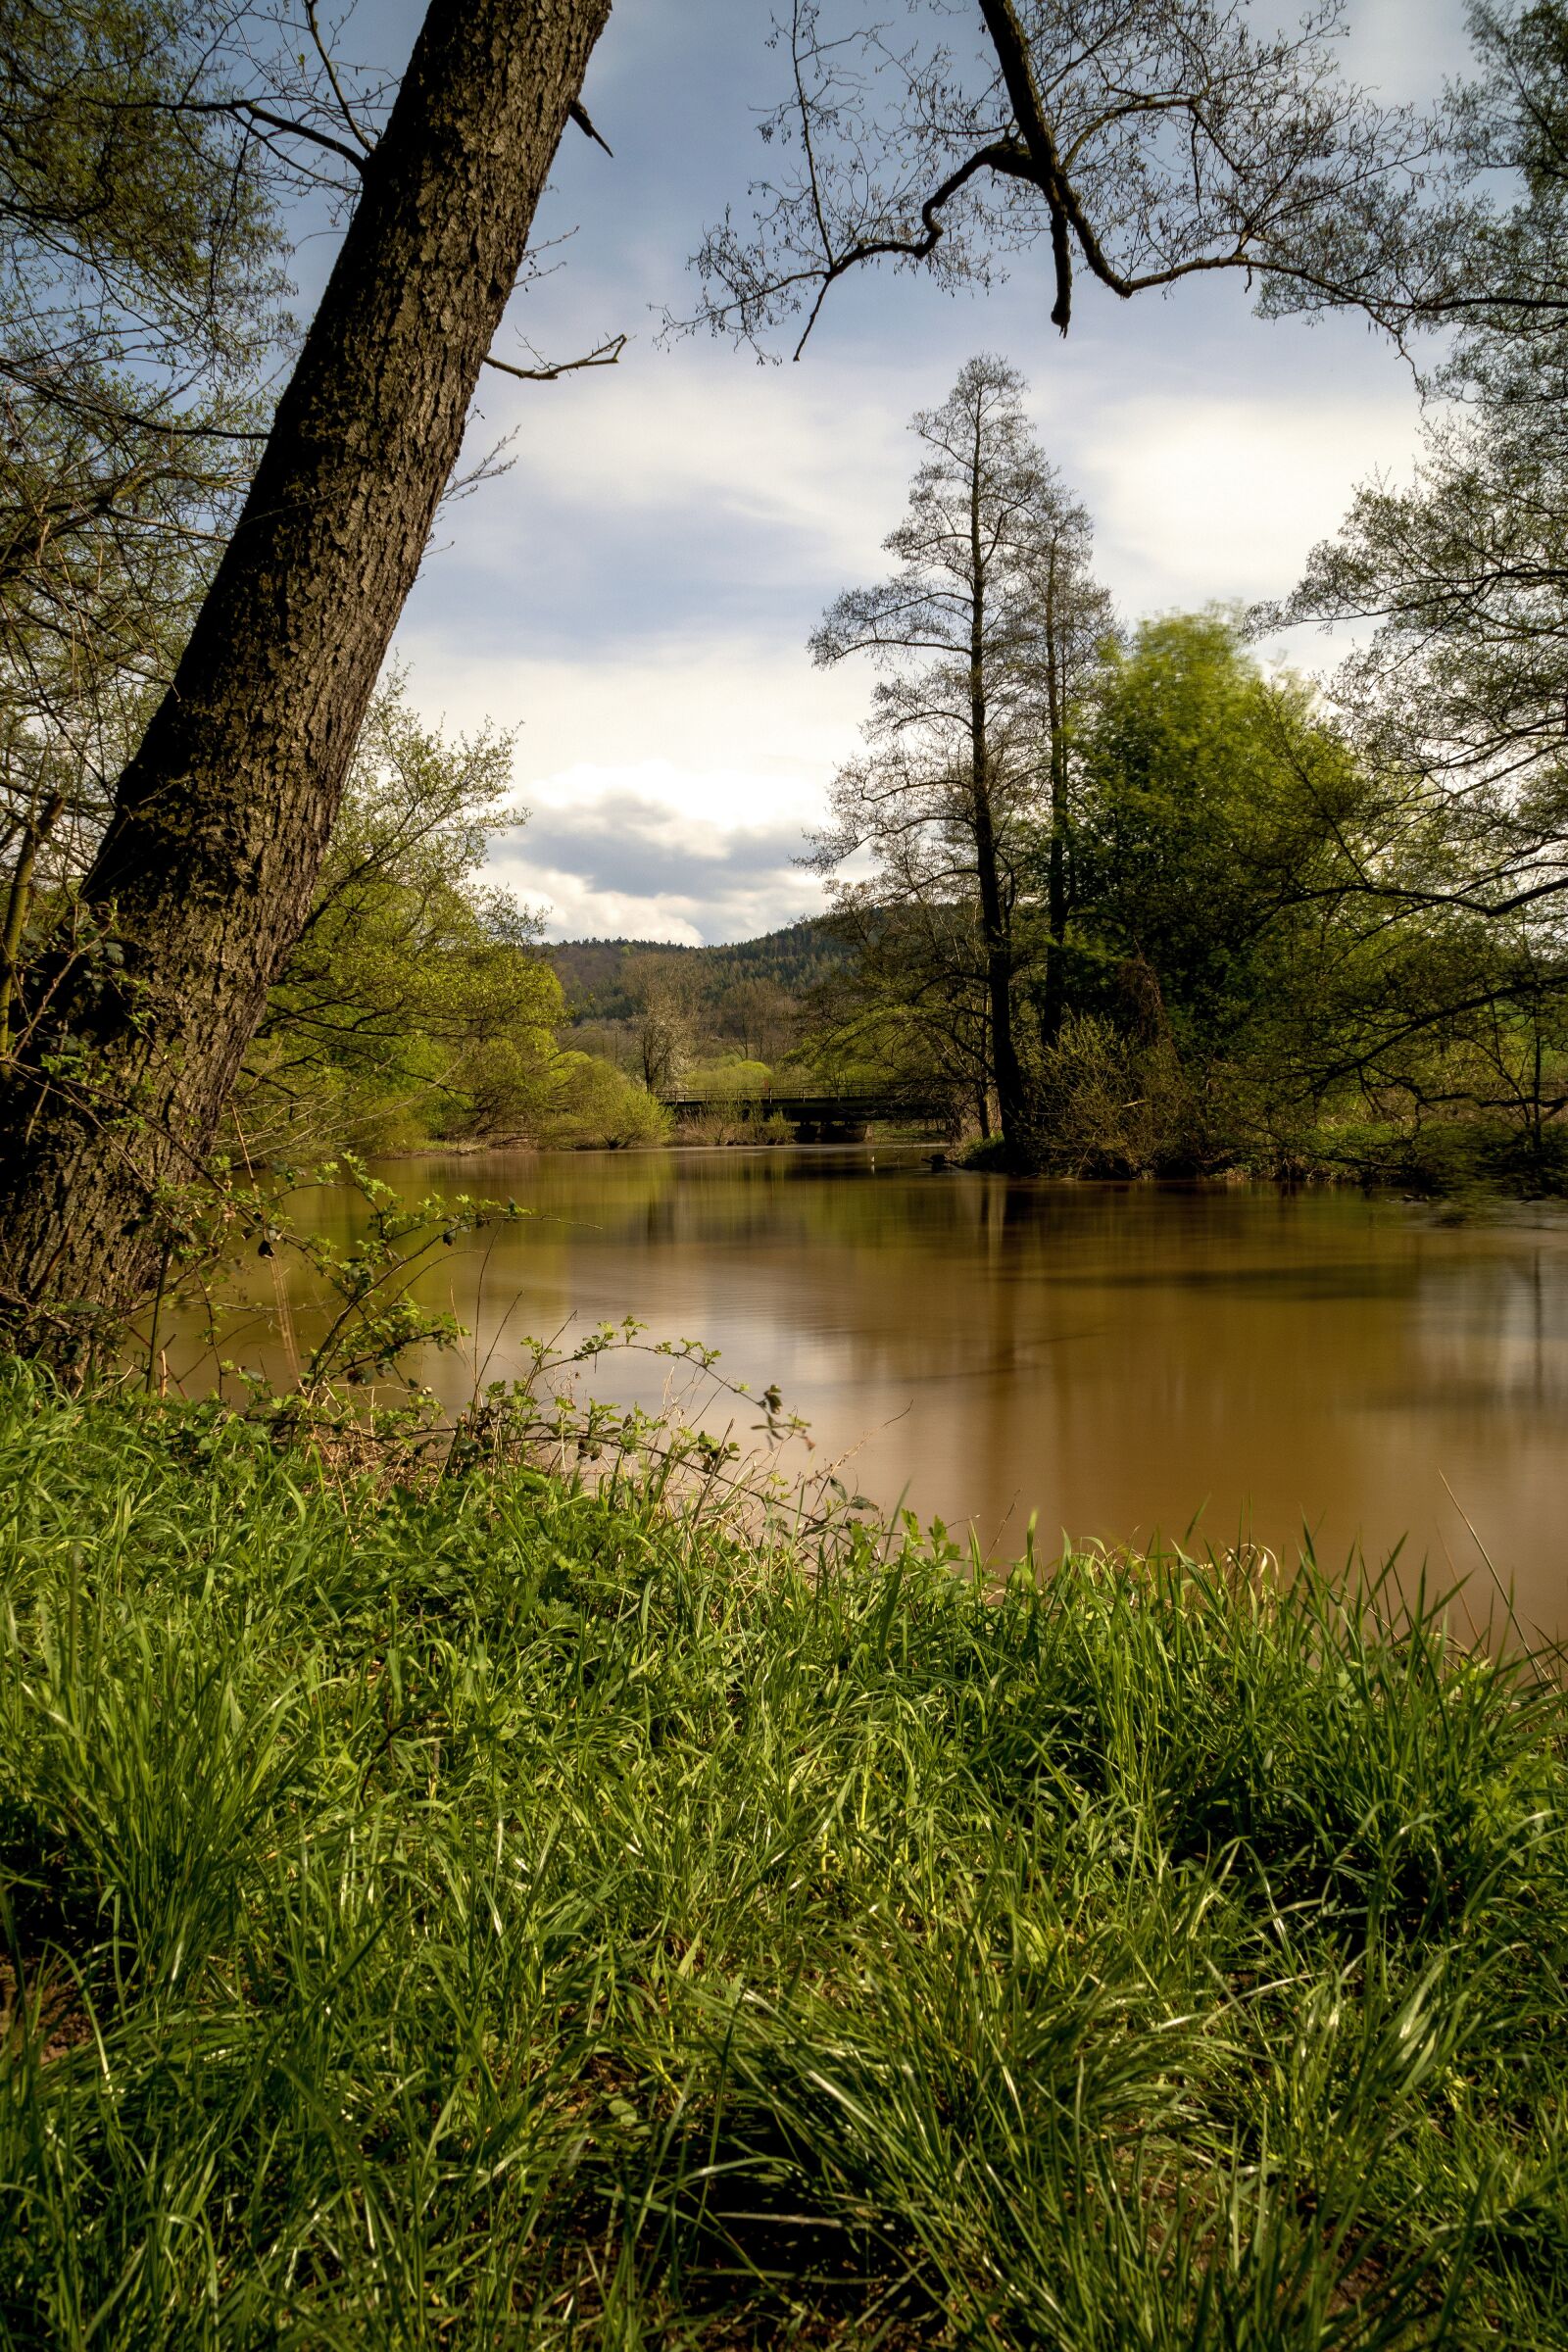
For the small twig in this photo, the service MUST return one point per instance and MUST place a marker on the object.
(578, 114)
(343, 106)
(605, 356)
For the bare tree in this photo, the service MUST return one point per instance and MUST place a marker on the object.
(969, 636)
(761, 1017)
(664, 992)
(1144, 141)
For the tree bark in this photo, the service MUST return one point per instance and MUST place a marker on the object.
(206, 872)
(19, 902)
(993, 922)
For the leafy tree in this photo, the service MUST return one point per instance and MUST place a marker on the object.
(1215, 811)
(1216, 808)
(595, 1105)
(1239, 991)
(414, 994)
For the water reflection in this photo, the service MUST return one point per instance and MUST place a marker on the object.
(1119, 1361)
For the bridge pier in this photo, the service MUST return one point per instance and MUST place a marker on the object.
(832, 1131)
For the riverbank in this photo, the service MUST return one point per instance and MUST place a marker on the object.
(511, 1914)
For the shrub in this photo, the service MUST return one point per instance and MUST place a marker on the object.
(597, 1107)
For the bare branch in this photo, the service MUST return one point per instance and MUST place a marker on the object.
(577, 113)
(251, 110)
(605, 356)
(326, 55)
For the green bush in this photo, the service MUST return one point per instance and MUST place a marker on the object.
(729, 1083)
(1106, 1104)
(596, 1107)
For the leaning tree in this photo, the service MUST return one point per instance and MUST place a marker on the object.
(205, 872)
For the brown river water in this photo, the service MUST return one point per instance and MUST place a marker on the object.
(1119, 1362)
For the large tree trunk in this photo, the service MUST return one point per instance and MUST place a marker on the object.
(205, 873)
(1011, 1103)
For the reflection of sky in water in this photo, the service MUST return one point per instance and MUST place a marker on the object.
(1113, 1358)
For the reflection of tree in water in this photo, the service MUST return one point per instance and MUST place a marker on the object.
(1109, 1357)
(1494, 1337)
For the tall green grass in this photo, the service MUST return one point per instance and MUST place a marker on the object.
(524, 1916)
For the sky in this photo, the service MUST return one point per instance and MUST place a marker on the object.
(634, 593)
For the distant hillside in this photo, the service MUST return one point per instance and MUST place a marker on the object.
(594, 973)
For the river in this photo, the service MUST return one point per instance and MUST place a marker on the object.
(1119, 1361)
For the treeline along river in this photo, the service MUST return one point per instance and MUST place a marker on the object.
(1122, 1363)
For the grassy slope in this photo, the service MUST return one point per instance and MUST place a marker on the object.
(519, 1919)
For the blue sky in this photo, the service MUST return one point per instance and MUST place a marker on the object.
(635, 592)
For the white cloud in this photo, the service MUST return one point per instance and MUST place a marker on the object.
(636, 595)
(627, 852)
(740, 727)
(1202, 499)
(705, 436)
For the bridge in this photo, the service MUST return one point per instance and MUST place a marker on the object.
(815, 1118)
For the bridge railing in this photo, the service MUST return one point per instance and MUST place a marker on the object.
(809, 1109)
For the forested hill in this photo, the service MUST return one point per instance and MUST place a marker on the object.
(595, 973)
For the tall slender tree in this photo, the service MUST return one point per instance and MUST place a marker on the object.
(1073, 619)
(969, 637)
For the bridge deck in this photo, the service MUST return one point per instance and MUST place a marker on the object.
(813, 1110)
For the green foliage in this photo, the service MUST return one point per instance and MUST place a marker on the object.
(127, 194)
(731, 1080)
(415, 1003)
(364, 1264)
(1213, 798)
(528, 1912)
(594, 1106)
(735, 1092)
(1110, 1103)
(1279, 955)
